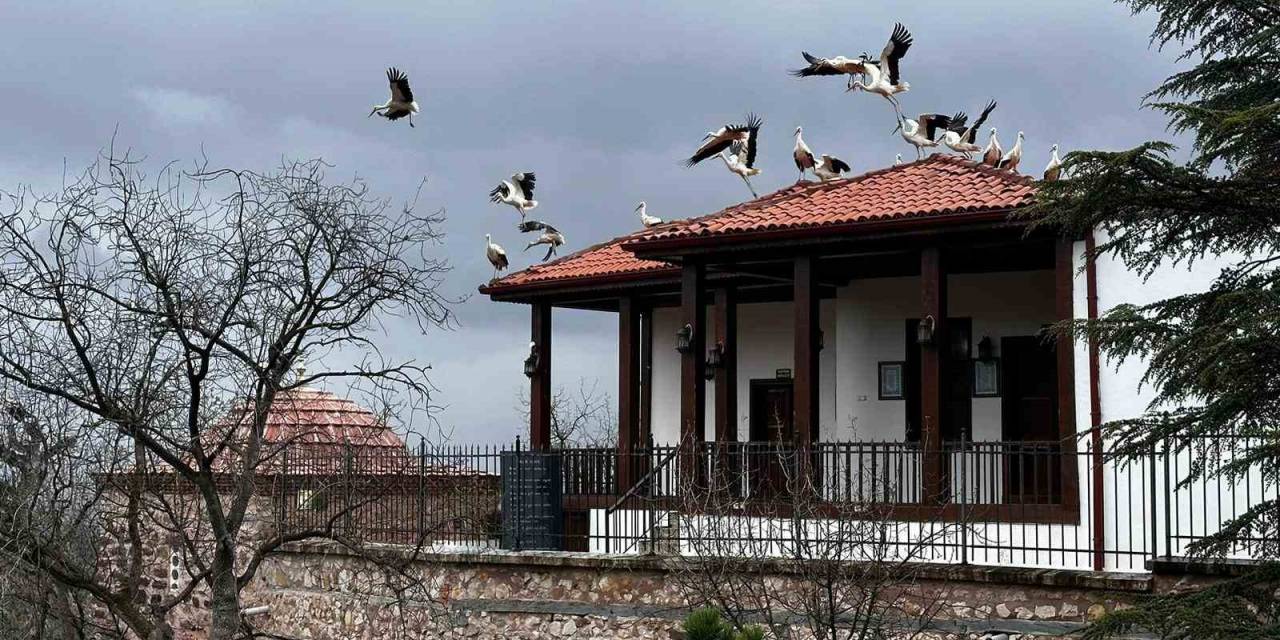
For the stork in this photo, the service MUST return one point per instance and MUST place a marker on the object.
(401, 103)
(516, 191)
(882, 77)
(829, 168)
(962, 139)
(549, 236)
(802, 155)
(992, 152)
(836, 66)
(739, 160)
(1013, 156)
(716, 141)
(497, 256)
(1054, 169)
(897, 159)
(920, 132)
(646, 219)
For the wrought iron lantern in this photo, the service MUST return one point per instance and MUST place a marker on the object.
(924, 330)
(684, 339)
(715, 360)
(531, 362)
(986, 349)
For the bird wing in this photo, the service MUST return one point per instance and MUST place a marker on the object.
(399, 86)
(499, 192)
(710, 148)
(971, 134)
(957, 122)
(536, 225)
(803, 158)
(525, 181)
(836, 164)
(753, 132)
(817, 67)
(897, 47)
(931, 122)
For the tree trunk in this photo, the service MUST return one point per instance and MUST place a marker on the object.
(225, 597)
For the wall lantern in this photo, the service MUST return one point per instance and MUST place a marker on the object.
(715, 360)
(822, 340)
(531, 363)
(924, 330)
(986, 350)
(684, 339)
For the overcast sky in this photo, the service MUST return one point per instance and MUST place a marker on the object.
(601, 100)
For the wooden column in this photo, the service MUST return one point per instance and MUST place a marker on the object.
(933, 302)
(693, 386)
(805, 353)
(628, 391)
(1064, 274)
(540, 383)
(726, 393)
(646, 378)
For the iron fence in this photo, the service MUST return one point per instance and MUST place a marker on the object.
(1038, 504)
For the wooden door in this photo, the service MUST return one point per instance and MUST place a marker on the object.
(1029, 420)
(772, 434)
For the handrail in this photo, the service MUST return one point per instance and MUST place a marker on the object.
(641, 482)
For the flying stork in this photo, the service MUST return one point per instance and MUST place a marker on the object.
(646, 219)
(836, 66)
(401, 103)
(802, 155)
(1013, 156)
(1054, 170)
(962, 139)
(716, 141)
(550, 237)
(829, 168)
(882, 77)
(516, 191)
(992, 152)
(739, 160)
(497, 256)
(920, 132)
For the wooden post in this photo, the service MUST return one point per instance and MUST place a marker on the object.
(805, 354)
(1095, 412)
(540, 383)
(1064, 274)
(628, 391)
(933, 292)
(726, 393)
(693, 386)
(646, 378)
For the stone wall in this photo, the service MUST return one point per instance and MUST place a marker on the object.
(322, 592)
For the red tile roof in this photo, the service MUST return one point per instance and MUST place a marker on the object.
(939, 186)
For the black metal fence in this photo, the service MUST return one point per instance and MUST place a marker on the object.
(1048, 504)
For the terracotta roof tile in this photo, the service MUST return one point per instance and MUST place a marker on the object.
(939, 185)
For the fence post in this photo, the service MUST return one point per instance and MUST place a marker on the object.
(346, 488)
(422, 484)
(284, 487)
(964, 502)
(515, 499)
(652, 491)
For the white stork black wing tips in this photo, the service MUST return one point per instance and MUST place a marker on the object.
(817, 67)
(399, 82)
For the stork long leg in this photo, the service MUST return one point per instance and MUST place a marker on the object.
(411, 120)
(753, 189)
(551, 251)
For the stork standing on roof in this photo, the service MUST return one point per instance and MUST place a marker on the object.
(921, 131)
(1013, 156)
(829, 168)
(497, 256)
(993, 151)
(1053, 170)
(962, 139)
(740, 140)
(802, 155)
(897, 159)
(883, 77)
(401, 103)
(550, 236)
(646, 219)
(516, 191)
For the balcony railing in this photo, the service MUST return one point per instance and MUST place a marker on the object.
(1000, 503)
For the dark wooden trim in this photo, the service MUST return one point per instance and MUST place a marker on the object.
(693, 399)
(628, 389)
(540, 383)
(645, 437)
(726, 378)
(805, 299)
(1064, 276)
(933, 303)
(1095, 409)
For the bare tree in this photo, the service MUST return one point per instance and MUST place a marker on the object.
(136, 314)
(584, 417)
(768, 534)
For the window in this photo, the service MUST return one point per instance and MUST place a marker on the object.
(892, 380)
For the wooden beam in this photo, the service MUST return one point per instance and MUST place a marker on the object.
(805, 353)
(1064, 275)
(540, 383)
(693, 386)
(933, 302)
(726, 392)
(628, 391)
